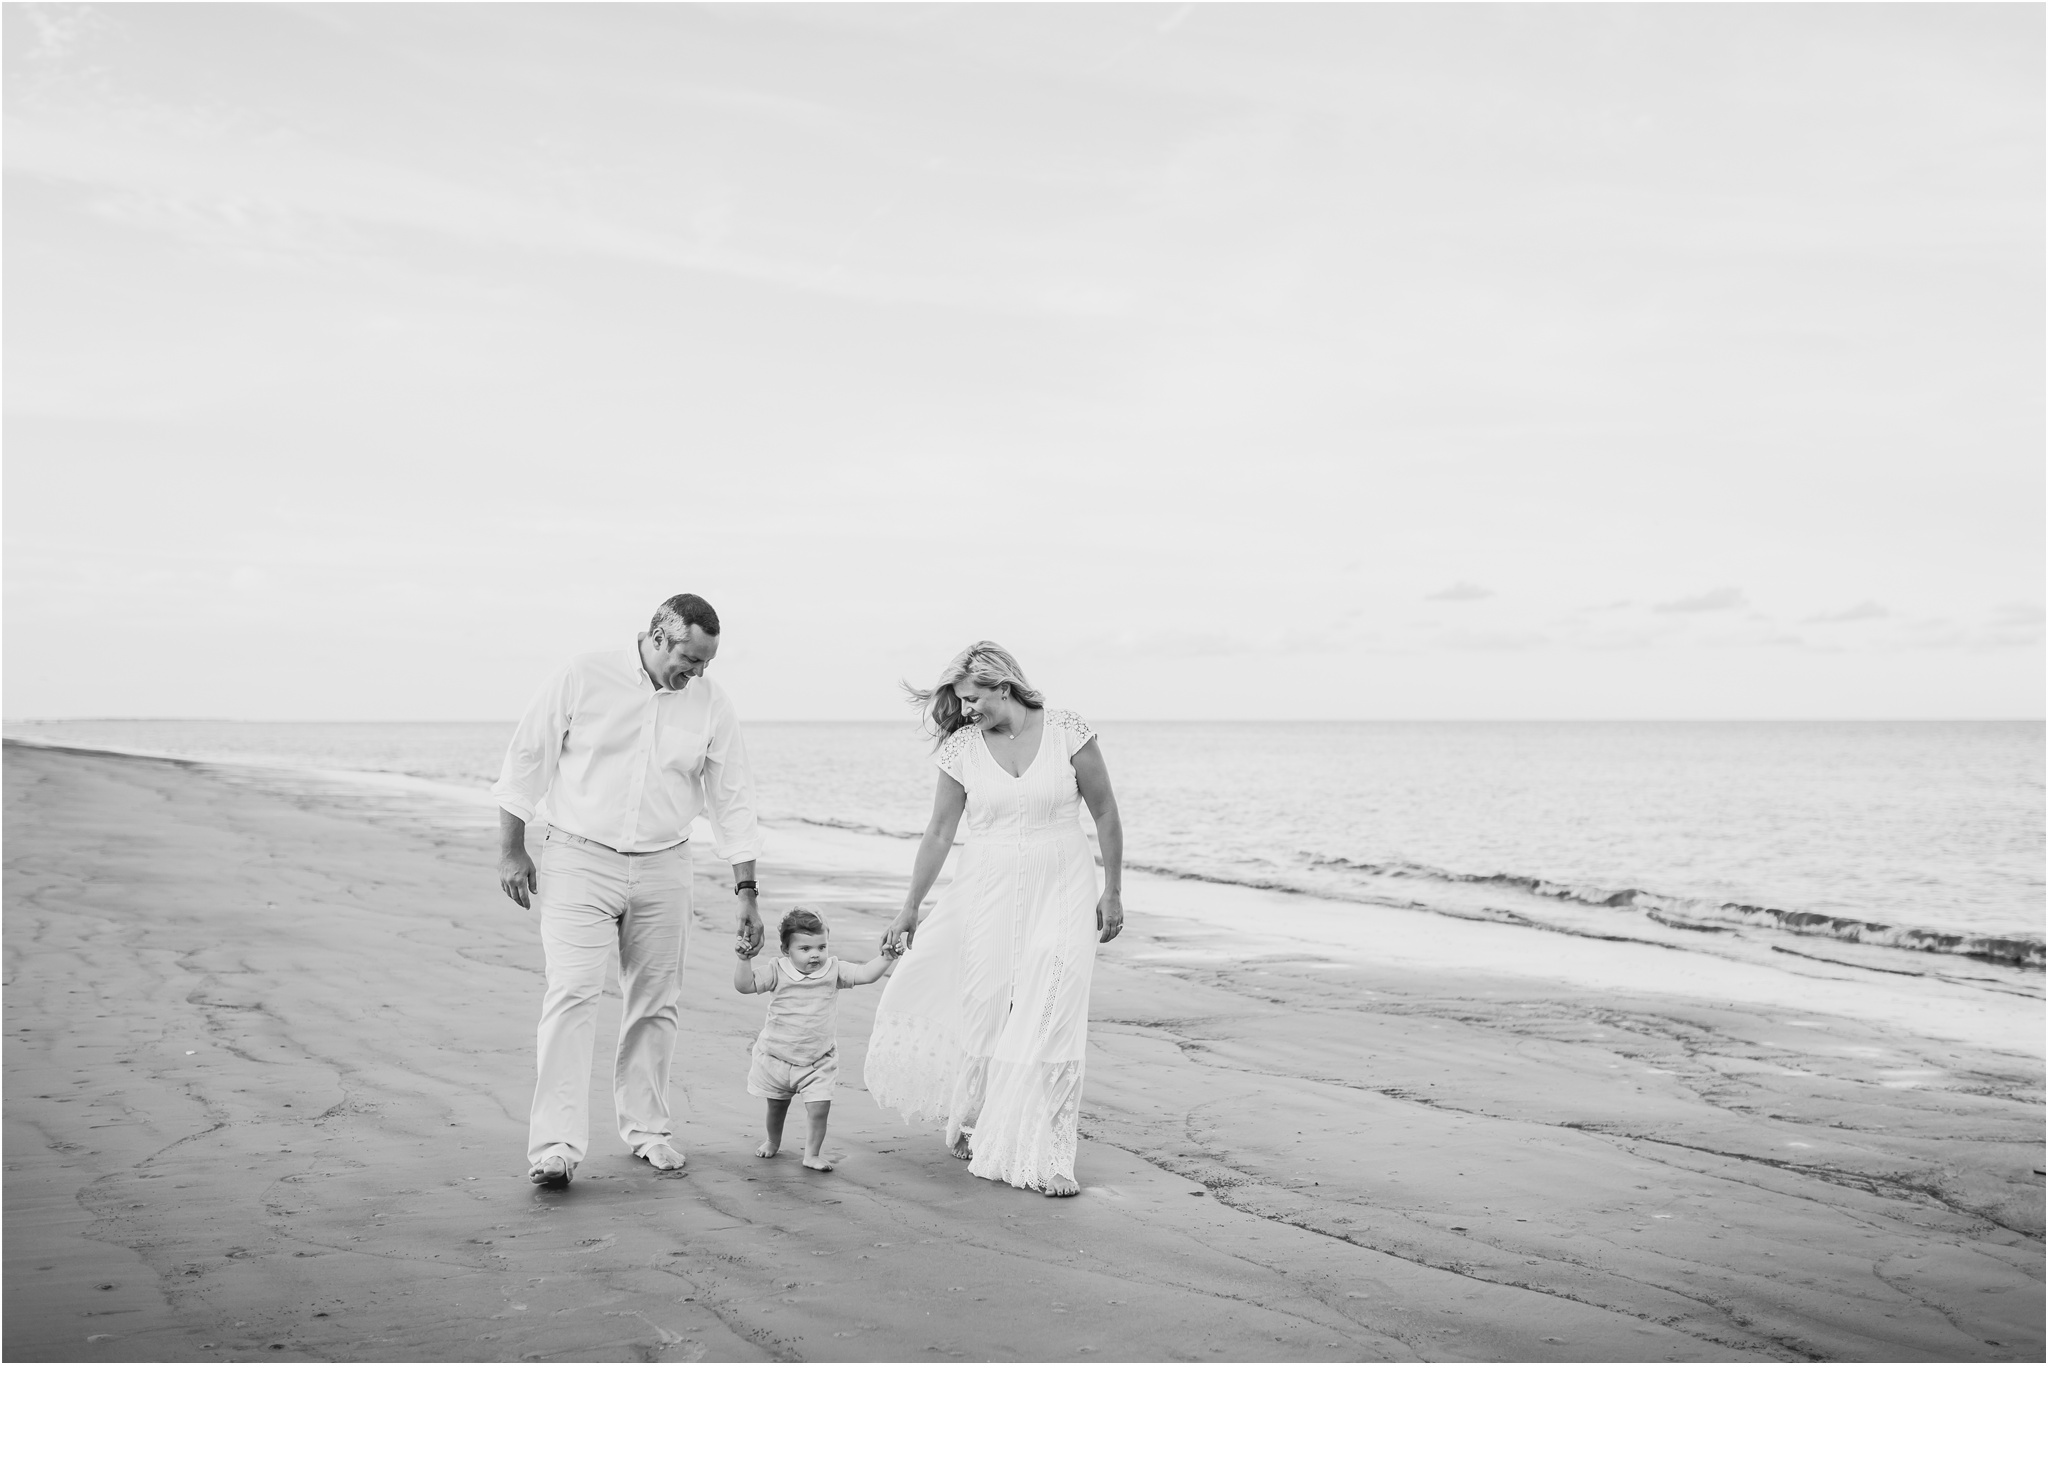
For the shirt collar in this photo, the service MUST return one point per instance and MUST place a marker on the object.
(647, 682)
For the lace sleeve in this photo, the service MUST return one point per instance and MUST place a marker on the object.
(953, 749)
(1072, 727)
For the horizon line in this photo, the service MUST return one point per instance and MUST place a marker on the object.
(1145, 721)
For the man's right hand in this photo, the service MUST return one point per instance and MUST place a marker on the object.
(517, 877)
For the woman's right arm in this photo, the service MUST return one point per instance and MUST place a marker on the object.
(948, 804)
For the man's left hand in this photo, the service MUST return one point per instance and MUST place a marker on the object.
(751, 930)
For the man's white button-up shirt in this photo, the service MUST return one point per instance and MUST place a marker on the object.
(629, 764)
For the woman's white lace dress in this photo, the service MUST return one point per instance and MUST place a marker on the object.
(985, 1020)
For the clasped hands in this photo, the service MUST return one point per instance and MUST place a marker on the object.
(751, 933)
(1109, 921)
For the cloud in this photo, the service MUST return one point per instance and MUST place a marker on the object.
(1489, 641)
(1752, 636)
(61, 32)
(2000, 639)
(1868, 610)
(1955, 638)
(2015, 623)
(1726, 598)
(1463, 590)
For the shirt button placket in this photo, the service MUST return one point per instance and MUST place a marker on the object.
(637, 788)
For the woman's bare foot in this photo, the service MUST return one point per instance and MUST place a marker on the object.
(962, 1148)
(1061, 1185)
(816, 1162)
(768, 1148)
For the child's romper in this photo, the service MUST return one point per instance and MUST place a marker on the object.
(797, 1054)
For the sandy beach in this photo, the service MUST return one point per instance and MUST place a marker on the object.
(269, 1053)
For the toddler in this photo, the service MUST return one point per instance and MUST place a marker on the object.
(797, 1054)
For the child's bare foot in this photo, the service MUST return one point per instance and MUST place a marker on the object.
(816, 1162)
(768, 1148)
(1061, 1185)
(962, 1148)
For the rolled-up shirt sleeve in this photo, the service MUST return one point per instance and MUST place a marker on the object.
(536, 747)
(729, 789)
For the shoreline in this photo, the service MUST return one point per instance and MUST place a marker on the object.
(1353, 1133)
(1323, 923)
(1744, 928)
(2021, 952)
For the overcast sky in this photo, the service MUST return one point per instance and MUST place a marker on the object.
(1332, 361)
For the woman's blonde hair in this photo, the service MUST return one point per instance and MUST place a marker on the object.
(986, 665)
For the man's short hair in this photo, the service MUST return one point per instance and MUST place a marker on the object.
(691, 610)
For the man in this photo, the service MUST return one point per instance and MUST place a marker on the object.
(626, 748)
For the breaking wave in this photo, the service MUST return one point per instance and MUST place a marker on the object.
(1675, 912)
(1692, 913)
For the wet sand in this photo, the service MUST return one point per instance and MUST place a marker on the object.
(268, 1056)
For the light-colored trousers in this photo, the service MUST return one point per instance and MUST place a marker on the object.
(597, 905)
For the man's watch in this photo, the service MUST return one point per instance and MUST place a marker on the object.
(746, 885)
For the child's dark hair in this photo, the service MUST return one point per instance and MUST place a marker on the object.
(809, 922)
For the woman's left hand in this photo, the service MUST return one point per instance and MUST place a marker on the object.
(1109, 916)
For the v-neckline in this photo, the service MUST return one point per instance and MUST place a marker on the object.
(1017, 777)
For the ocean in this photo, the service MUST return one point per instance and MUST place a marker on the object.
(1907, 846)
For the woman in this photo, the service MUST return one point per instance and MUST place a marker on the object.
(985, 1023)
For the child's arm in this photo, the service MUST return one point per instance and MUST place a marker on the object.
(872, 971)
(743, 977)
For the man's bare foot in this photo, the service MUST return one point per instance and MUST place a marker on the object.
(962, 1148)
(769, 1149)
(552, 1173)
(816, 1162)
(1061, 1185)
(664, 1156)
